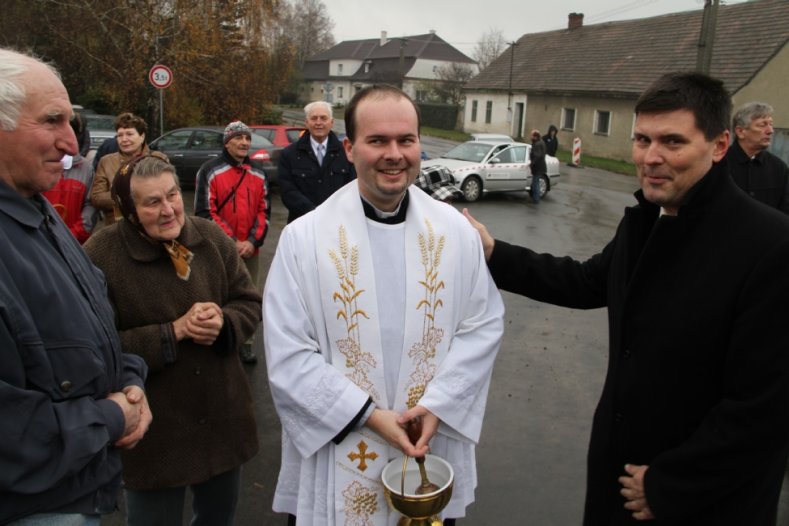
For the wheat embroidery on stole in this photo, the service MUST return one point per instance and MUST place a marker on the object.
(423, 352)
(357, 360)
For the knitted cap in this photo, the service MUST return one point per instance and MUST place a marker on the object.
(236, 128)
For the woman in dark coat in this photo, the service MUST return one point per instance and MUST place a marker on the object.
(185, 303)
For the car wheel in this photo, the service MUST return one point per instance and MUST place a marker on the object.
(545, 186)
(472, 188)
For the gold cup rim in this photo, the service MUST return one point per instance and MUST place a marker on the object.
(411, 497)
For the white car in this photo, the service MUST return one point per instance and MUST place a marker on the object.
(491, 137)
(494, 166)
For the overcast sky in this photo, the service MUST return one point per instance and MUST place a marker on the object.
(463, 22)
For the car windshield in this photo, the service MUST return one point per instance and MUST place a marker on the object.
(468, 151)
(258, 142)
(268, 133)
(294, 134)
(99, 122)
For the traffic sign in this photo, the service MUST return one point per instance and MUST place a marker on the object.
(160, 76)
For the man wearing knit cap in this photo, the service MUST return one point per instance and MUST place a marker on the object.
(232, 191)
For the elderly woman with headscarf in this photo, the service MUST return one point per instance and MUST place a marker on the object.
(185, 303)
(130, 134)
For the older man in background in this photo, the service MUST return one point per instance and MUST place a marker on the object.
(762, 175)
(314, 167)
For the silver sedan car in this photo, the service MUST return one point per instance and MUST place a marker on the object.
(494, 166)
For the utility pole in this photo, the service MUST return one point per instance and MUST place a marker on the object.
(707, 36)
(401, 66)
(509, 92)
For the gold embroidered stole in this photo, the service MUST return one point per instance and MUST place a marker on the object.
(350, 307)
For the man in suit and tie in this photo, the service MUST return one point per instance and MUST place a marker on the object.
(315, 166)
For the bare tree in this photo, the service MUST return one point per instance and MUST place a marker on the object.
(451, 79)
(309, 27)
(489, 47)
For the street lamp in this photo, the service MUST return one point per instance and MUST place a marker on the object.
(509, 92)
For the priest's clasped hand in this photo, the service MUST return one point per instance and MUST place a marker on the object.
(392, 427)
(429, 426)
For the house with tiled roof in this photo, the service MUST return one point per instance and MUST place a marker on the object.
(411, 62)
(586, 79)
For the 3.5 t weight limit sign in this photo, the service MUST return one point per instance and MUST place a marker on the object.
(160, 76)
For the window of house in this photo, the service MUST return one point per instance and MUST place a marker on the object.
(568, 119)
(488, 111)
(339, 92)
(602, 122)
(339, 69)
(473, 111)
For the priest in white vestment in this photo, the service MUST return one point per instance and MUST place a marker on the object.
(378, 310)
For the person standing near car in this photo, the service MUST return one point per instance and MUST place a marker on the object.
(551, 141)
(538, 167)
(130, 134)
(232, 191)
(315, 166)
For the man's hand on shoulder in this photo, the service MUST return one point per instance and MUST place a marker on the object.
(487, 239)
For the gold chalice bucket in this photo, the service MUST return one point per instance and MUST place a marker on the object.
(401, 478)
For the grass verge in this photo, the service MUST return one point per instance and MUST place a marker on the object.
(612, 165)
(451, 135)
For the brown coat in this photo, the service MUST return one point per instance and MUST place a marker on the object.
(108, 166)
(203, 423)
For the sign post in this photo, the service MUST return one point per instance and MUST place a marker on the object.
(160, 77)
(576, 154)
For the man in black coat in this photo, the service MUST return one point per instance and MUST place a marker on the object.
(762, 175)
(315, 166)
(536, 164)
(692, 427)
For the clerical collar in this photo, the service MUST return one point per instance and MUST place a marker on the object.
(389, 218)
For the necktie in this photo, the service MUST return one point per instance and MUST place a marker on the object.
(320, 154)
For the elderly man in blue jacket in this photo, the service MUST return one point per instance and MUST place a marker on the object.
(69, 399)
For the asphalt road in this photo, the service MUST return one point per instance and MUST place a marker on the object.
(547, 378)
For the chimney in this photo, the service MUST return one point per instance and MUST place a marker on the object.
(383, 38)
(575, 20)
